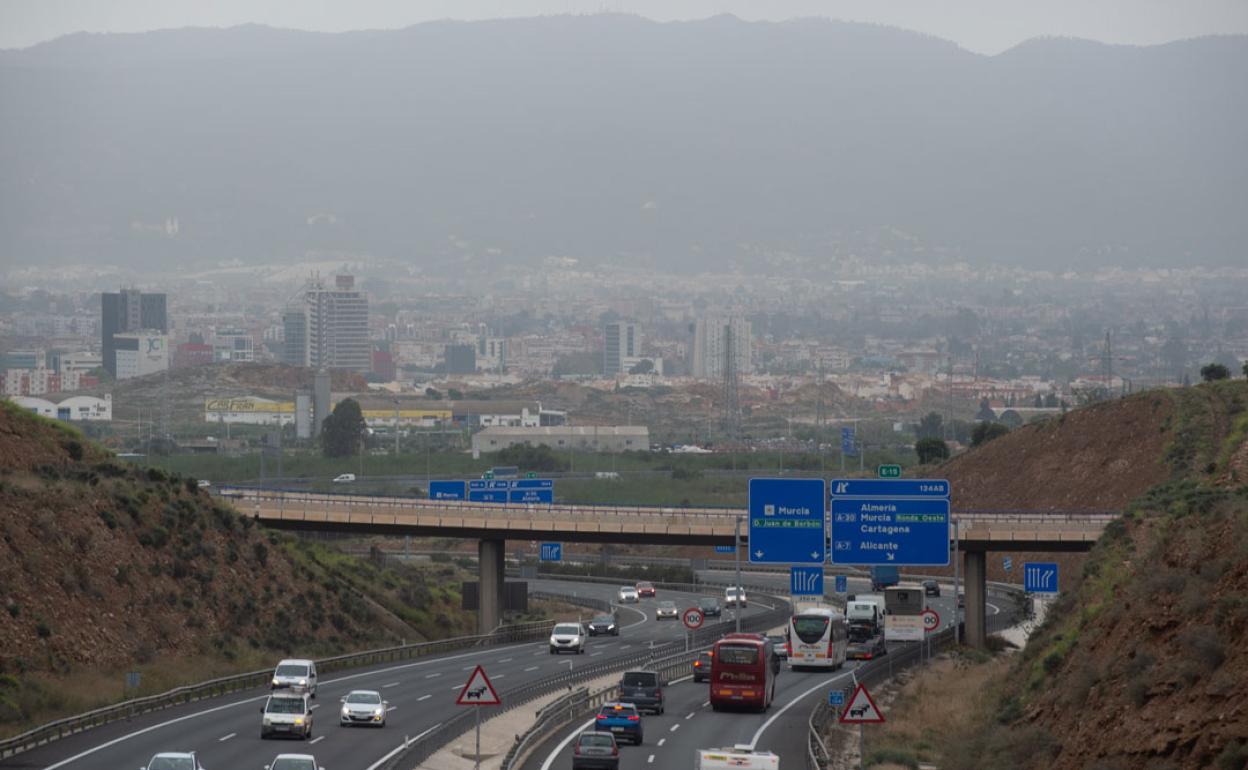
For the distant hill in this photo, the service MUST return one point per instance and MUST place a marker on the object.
(692, 145)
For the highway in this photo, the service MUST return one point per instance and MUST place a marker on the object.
(421, 693)
(689, 723)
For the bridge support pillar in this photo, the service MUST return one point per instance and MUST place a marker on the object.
(491, 560)
(976, 598)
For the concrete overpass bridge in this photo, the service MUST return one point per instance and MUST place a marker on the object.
(492, 524)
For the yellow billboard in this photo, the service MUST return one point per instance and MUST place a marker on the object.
(246, 405)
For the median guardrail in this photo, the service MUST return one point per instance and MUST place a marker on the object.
(667, 655)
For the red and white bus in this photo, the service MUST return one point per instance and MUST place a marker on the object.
(743, 672)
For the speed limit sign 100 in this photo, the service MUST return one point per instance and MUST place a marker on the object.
(693, 618)
(931, 620)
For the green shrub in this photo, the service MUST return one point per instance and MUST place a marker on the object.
(42, 629)
(892, 756)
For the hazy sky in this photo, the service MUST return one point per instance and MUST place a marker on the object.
(987, 26)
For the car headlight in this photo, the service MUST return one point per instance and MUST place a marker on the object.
(378, 711)
(610, 626)
(298, 720)
(266, 720)
(275, 682)
(346, 711)
(303, 682)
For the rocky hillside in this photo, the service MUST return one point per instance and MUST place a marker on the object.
(108, 567)
(1141, 662)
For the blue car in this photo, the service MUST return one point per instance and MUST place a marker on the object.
(621, 720)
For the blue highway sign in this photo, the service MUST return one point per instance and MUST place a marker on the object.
(1040, 577)
(1007, 563)
(890, 488)
(806, 581)
(842, 584)
(533, 484)
(487, 496)
(725, 549)
(531, 496)
(446, 490)
(847, 441)
(893, 532)
(836, 697)
(552, 551)
(787, 521)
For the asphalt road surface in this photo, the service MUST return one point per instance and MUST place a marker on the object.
(226, 731)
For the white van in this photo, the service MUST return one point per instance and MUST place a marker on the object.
(344, 478)
(865, 610)
(295, 674)
(738, 757)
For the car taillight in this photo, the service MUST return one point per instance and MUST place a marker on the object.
(634, 718)
(615, 751)
(602, 716)
(578, 749)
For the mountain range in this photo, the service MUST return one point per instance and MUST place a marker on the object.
(690, 145)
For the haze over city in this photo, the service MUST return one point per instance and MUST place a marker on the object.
(785, 363)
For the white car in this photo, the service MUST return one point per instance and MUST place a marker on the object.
(203, 483)
(666, 609)
(295, 674)
(174, 760)
(628, 594)
(344, 478)
(568, 637)
(363, 707)
(734, 597)
(293, 762)
(286, 714)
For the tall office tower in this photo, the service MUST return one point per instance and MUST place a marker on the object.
(711, 340)
(335, 326)
(295, 335)
(128, 310)
(623, 342)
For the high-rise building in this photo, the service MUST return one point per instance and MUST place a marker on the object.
(491, 353)
(623, 342)
(711, 337)
(327, 328)
(138, 353)
(129, 310)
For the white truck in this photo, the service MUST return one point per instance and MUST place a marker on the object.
(736, 758)
(866, 608)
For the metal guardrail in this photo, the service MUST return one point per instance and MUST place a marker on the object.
(216, 687)
(817, 755)
(668, 655)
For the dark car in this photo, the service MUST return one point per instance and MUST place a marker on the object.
(710, 607)
(644, 689)
(623, 720)
(596, 751)
(961, 600)
(865, 643)
(702, 666)
(780, 644)
(931, 588)
(604, 624)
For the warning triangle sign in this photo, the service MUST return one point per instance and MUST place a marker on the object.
(478, 691)
(861, 709)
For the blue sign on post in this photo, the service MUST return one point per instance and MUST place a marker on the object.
(446, 490)
(892, 531)
(1040, 577)
(487, 496)
(725, 549)
(787, 521)
(806, 581)
(552, 551)
(836, 697)
(533, 484)
(531, 496)
(1007, 563)
(847, 441)
(842, 584)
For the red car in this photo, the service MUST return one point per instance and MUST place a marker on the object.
(645, 588)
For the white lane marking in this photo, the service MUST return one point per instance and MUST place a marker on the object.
(675, 727)
(650, 761)
(661, 742)
(317, 739)
(499, 676)
(390, 684)
(314, 707)
(625, 646)
(536, 654)
(531, 668)
(505, 660)
(424, 697)
(554, 754)
(705, 703)
(468, 668)
(457, 687)
(431, 676)
(791, 704)
(391, 708)
(995, 608)
(225, 738)
(402, 746)
(690, 715)
(595, 654)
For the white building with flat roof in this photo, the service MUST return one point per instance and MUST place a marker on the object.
(589, 438)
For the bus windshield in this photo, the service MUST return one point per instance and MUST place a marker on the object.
(810, 628)
(904, 601)
(737, 654)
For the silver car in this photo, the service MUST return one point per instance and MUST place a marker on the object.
(363, 707)
(567, 637)
(293, 762)
(174, 760)
(628, 594)
(666, 610)
(295, 674)
(284, 714)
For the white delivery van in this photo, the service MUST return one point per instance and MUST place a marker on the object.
(862, 610)
(736, 758)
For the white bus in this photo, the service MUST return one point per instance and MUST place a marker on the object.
(818, 638)
(904, 604)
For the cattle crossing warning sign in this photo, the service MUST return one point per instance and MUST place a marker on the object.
(861, 709)
(478, 691)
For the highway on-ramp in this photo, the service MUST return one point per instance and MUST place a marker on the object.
(225, 732)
